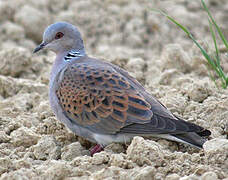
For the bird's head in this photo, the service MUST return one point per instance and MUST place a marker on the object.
(60, 37)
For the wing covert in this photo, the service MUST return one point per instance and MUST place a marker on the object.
(100, 98)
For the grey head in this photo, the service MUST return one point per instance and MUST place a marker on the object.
(61, 37)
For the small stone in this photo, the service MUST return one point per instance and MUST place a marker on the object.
(12, 31)
(169, 76)
(209, 176)
(14, 61)
(5, 164)
(174, 57)
(40, 19)
(136, 66)
(215, 144)
(143, 152)
(120, 161)
(172, 177)
(106, 173)
(191, 177)
(54, 169)
(4, 137)
(216, 152)
(146, 173)
(71, 151)
(6, 10)
(24, 137)
(47, 148)
(199, 91)
(20, 174)
(100, 158)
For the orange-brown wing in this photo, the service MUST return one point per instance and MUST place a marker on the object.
(100, 99)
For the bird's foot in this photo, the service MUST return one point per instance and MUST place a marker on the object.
(96, 149)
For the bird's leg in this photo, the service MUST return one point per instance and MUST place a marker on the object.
(96, 149)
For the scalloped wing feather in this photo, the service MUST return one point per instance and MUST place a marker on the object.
(99, 98)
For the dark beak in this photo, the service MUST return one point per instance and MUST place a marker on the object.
(41, 46)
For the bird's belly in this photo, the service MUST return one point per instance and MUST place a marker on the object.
(105, 139)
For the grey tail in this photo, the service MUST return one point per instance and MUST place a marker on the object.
(191, 138)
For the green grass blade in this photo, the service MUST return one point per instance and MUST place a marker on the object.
(217, 52)
(215, 43)
(215, 24)
(211, 62)
(205, 54)
(212, 77)
(191, 36)
(214, 62)
(175, 22)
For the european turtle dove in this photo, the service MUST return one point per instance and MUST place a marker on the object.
(102, 102)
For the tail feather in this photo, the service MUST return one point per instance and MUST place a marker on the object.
(204, 133)
(191, 138)
(194, 138)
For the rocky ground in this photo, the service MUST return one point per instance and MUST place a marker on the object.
(34, 145)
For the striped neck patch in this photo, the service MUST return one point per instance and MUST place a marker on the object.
(73, 54)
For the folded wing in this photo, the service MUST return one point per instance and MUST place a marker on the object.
(100, 99)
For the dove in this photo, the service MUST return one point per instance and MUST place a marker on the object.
(101, 102)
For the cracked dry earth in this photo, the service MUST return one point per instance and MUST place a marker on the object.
(34, 145)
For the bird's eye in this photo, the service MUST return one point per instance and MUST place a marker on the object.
(59, 35)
